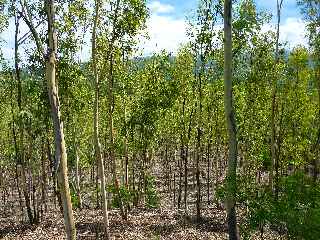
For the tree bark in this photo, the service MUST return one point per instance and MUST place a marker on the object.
(231, 123)
(198, 183)
(78, 178)
(96, 124)
(274, 155)
(60, 148)
(44, 179)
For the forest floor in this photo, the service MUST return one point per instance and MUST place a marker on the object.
(161, 223)
(165, 222)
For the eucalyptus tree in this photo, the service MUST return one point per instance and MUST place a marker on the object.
(114, 29)
(204, 42)
(183, 74)
(20, 146)
(299, 111)
(124, 28)
(7, 151)
(274, 127)
(311, 11)
(61, 153)
(154, 99)
(48, 58)
(231, 123)
(96, 121)
(251, 73)
(75, 95)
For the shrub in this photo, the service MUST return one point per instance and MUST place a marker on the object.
(152, 199)
(296, 211)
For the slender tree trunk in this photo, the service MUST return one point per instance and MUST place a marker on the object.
(126, 163)
(111, 132)
(186, 178)
(133, 165)
(198, 183)
(186, 165)
(16, 158)
(96, 175)
(208, 172)
(317, 143)
(96, 124)
(144, 177)
(231, 123)
(167, 168)
(60, 153)
(169, 180)
(23, 166)
(274, 155)
(182, 152)
(44, 179)
(20, 150)
(78, 178)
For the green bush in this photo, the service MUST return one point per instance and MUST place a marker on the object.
(152, 199)
(296, 212)
(125, 195)
(74, 198)
(129, 196)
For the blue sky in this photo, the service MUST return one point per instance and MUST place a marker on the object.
(289, 9)
(167, 26)
(182, 7)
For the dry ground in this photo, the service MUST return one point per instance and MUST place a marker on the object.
(141, 224)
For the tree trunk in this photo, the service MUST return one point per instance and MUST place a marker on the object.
(78, 178)
(317, 143)
(44, 179)
(20, 149)
(180, 172)
(111, 132)
(274, 155)
(208, 172)
(198, 183)
(96, 125)
(186, 178)
(231, 123)
(60, 148)
(126, 164)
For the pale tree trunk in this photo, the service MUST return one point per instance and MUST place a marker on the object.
(317, 78)
(186, 164)
(111, 132)
(96, 124)
(77, 170)
(231, 123)
(77, 178)
(60, 148)
(16, 155)
(198, 184)
(44, 180)
(126, 156)
(110, 111)
(126, 153)
(317, 144)
(21, 153)
(274, 156)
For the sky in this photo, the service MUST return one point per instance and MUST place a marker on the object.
(167, 26)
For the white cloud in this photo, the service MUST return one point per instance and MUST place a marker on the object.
(165, 32)
(157, 7)
(293, 31)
